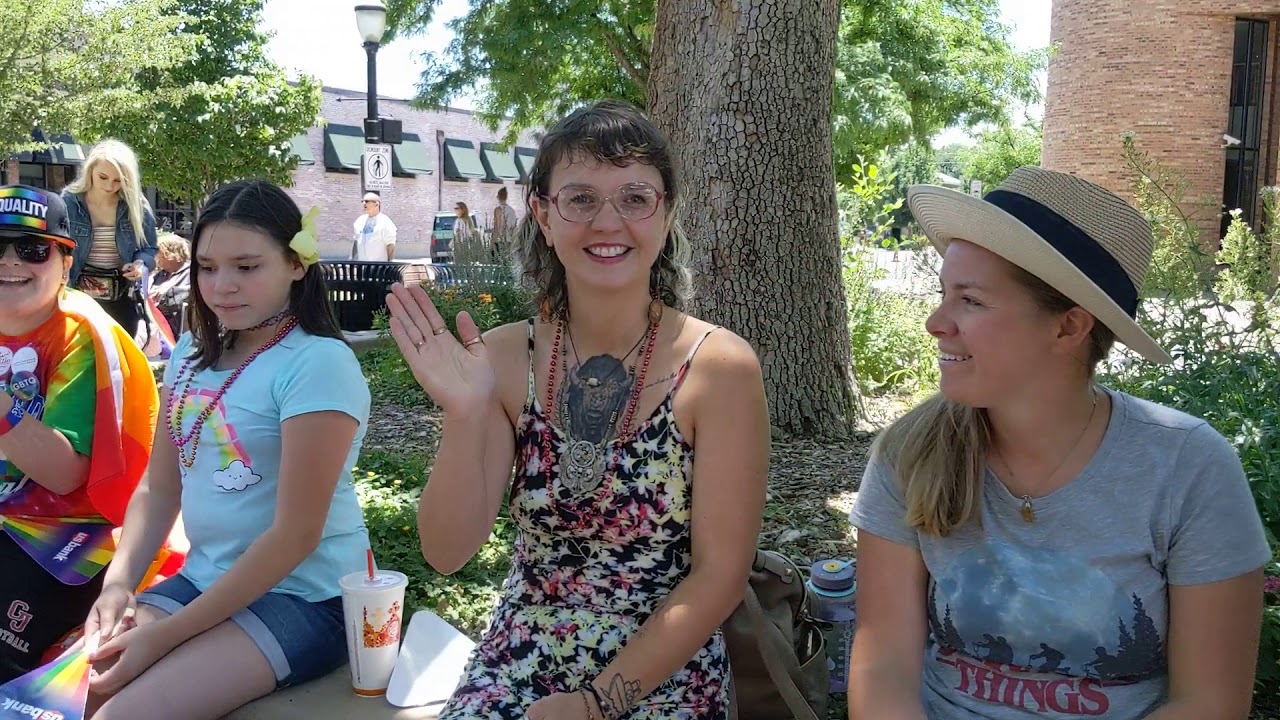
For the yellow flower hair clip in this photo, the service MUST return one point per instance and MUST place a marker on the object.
(304, 242)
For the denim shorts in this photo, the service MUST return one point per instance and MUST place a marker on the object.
(301, 640)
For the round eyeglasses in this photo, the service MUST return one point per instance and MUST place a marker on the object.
(581, 203)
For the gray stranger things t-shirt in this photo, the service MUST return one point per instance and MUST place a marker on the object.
(1067, 616)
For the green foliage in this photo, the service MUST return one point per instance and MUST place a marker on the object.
(1178, 265)
(69, 63)
(903, 69)
(890, 348)
(1227, 367)
(534, 61)
(910, 164)
(490, 305)
(1247, 274)
(227, 113)
(388, 485)
(867, 202)
(998, 153)
(909, 69)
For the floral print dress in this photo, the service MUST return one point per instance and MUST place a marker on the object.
(589, 569)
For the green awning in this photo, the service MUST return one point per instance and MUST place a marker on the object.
(302, 149)
(63, 150)
(66, 151)
(343, 147)
(410, 157)
(498, 163)
(462, 160)
(524, 161)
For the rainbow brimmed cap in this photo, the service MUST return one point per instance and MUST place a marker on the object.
(26, 210)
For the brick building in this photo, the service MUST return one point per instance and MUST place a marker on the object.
(447, 156)
(1180, 74)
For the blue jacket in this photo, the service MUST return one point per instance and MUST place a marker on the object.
(126, 240)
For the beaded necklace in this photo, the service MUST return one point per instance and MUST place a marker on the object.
(174, 410)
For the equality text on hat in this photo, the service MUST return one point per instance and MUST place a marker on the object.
(20, 206)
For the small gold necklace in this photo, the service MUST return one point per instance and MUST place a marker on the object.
(1028, 512)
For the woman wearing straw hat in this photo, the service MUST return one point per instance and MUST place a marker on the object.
(1056, 548)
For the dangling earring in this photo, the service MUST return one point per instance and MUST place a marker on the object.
(656, 306)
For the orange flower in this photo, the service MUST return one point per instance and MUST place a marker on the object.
(485, 298)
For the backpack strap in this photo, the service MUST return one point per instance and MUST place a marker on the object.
(779, 658)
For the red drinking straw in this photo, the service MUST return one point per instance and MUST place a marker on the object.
(369, 558)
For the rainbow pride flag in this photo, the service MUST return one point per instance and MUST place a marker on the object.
(126, 405)
(126, 408)
(70, 549)
(56, 691)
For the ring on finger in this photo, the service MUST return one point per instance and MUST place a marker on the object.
(440, 331)
(473, 341)
(418, 345)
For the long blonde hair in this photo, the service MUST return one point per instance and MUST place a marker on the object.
(938, 450)
(122, 158)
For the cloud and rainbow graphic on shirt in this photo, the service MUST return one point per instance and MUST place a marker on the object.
(235, 472)
(56, 691)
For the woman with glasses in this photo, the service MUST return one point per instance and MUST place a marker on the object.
(77, 418)
(639, 437)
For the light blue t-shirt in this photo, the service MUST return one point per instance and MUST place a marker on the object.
(229, 493)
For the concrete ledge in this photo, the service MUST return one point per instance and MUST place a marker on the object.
(328, 698)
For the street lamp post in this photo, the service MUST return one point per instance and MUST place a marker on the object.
(371, 21)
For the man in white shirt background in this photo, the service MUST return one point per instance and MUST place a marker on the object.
(374, 233)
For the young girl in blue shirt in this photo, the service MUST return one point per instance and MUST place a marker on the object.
(263, 413)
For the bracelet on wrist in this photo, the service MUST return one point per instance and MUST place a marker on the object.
(603, 707)
(13, 417)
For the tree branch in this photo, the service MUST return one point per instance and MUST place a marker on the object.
(616, 49)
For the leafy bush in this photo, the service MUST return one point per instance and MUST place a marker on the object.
(490, 305)
(1179, 265)
(1247, 274)
(890, 347)
(388, 485)
(1227, 366)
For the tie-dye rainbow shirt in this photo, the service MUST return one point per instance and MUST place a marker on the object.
(64, 365)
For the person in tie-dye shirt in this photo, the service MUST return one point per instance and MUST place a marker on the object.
(56, 503)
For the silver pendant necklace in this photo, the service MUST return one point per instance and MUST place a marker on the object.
(583, 462)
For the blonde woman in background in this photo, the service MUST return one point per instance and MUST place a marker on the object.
(114, 231)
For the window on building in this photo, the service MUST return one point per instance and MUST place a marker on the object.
(31, 174)
(1244, 164)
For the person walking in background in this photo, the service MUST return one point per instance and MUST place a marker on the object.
(504, 226)
(114, 231)
(374, 233)
(464, 228)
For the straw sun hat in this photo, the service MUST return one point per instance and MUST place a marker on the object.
(1081, 239)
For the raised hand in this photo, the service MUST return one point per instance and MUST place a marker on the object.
(455, 371)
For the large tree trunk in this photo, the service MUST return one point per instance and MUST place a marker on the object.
(744, 89)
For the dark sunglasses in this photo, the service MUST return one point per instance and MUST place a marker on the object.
(29, 250)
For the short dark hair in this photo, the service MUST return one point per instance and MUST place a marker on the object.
(263, 207)
(502, 193)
